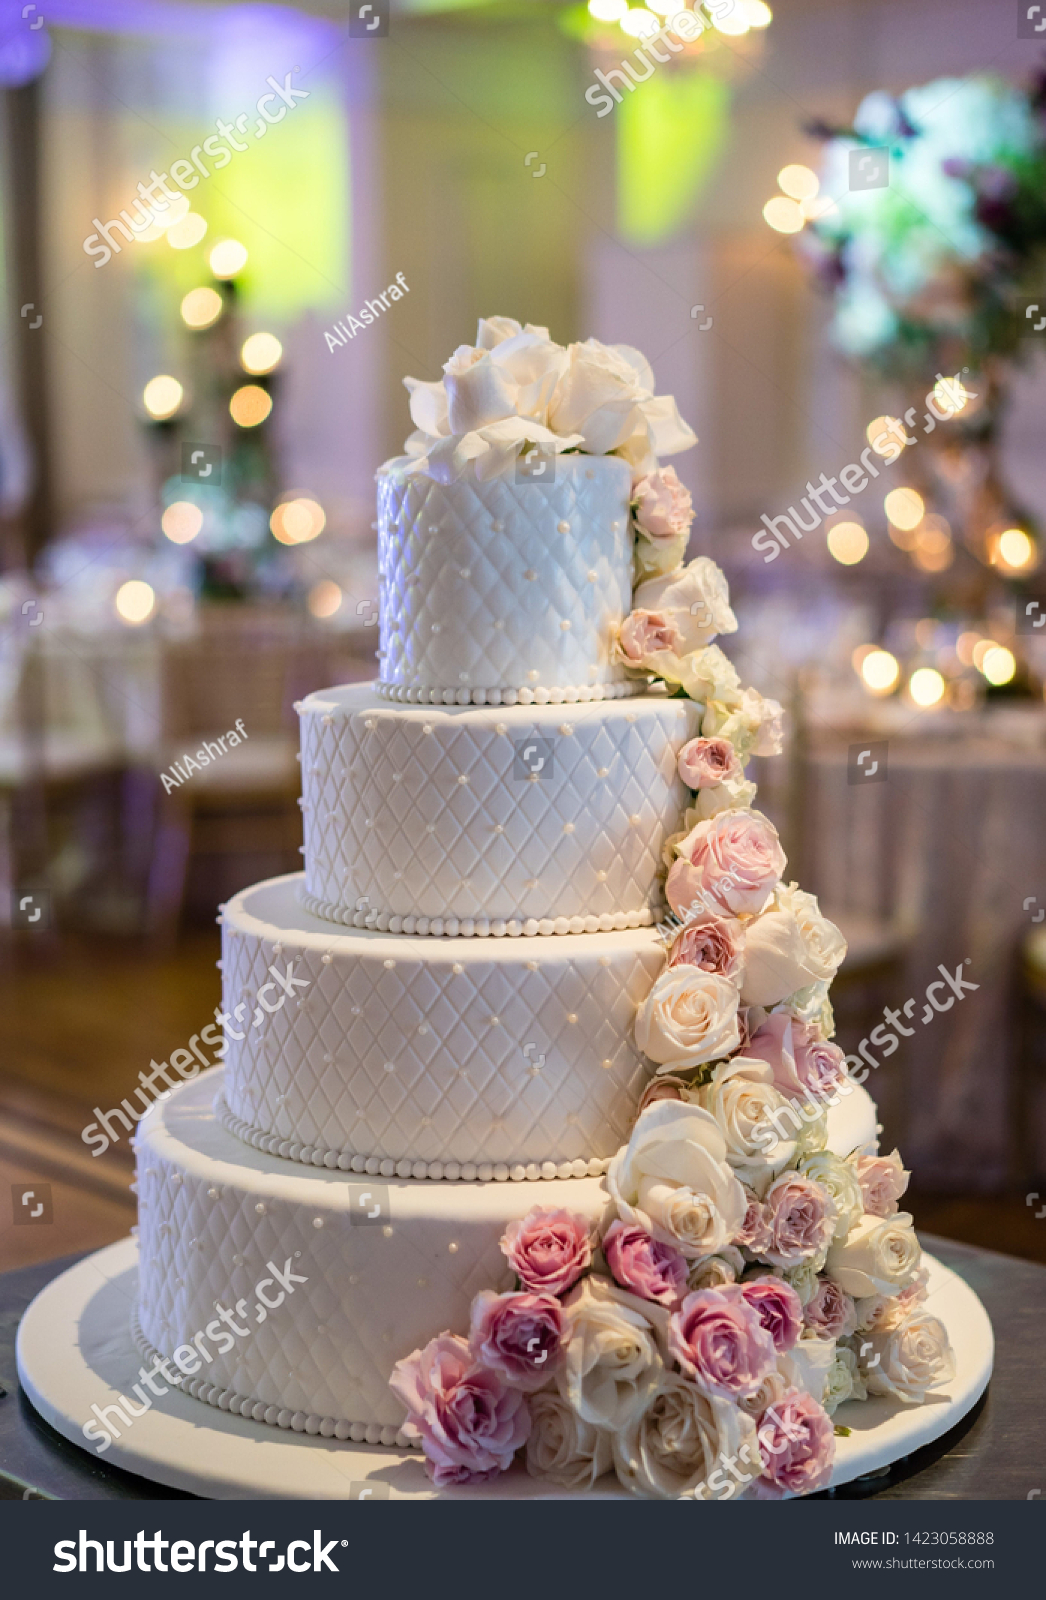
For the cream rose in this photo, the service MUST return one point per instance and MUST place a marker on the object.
(915, 1356)
(612, 1364)
(790, 946)
(880, 1256)
(563, 1448)
(742, 1098)
(807, 1365)
(839, 1178)
(733, 794)
(606, 394)
(656, 557)
(755, 727)
(843, 1381)
(675, 1447)
(698, 596)
(672, 1178)
(689, 1016)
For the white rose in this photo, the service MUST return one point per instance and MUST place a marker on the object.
(734, 794)
(774, 1387)
(803, 1279)
(515, 379)
(672, 1178)
(562, 1447)
(812, 1007)
(754, 728)
(789, 947)
(689, 1016)
(840, 1179)
(493, 330)
(813, 1135)
(612, 1366)
(713, 1271)
(807, 1365)
(914, 1357)
(607, 395)
(707, 674)
(742, 1098)
(676, 1446)
(880, 1256)
(698, 598)
(656, 557)
(843, 1381)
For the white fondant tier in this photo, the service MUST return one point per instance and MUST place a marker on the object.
(386, 1265)
(442, 1052)
(504, 584)
(542, 818)
(212, 1213)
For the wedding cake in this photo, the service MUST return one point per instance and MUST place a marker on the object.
(529, 1140)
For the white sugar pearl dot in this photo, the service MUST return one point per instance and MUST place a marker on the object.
(530, 574)
(453, 1247)
(390, 1066)
(437, 627)
(355, 1011)
(592, 577)
(565, 728)
(630, 716)
(604, 961)
(387, 1231)
(533, 674)
(634, 820)
(260, 1208)
(601, 772)
(565, 624)
(572, 1016)
(568, 827)
(389, 964)
(326, 959)
(423, 1283)
(494, 1021)
(369, 723)
(501, 727)
(601, 876)
(397, 876)
(423, 1027)
(562, 527)
(615, 527)
(397, 777)
(426, 727)
(354, 1277)
(463, 677)
(430, 827)
(317, 1222)
(498, 527)
(457, 969)
(463, 777)
(498, 828)
(606, 1065)
(465, 572)
(532, 966)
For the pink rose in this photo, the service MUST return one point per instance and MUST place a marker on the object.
(915, 1292)
(883, 1180)
(729, 864)
(711, 942)
(663, 507)
(720, 1343)
(644, 1265)
(831, 1313)
(801, 1217)
(778, 1308)
(804, 1066)
(666, 1088)
(470, 1425)
(548, 1250)
(518, 1336)
(797, 1439)
(705, 762)
(755, 1231)
(645, 633)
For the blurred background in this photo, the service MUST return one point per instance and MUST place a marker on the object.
(825, 225)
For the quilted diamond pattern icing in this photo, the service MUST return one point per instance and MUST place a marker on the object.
(504, 584)
(509, 1050)
(430, 812)
(213, 1213)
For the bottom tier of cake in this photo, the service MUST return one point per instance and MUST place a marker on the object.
(324, 1283)
(289, 1294)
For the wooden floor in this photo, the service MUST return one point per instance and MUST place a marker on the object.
(80, 1018)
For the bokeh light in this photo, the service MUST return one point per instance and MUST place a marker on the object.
(950, 395)
(758, 13)
(965, 645)
(848, 543)
(1014, 549)
(135, 602)
(998, 664)
(250, 405)
(227, 258)
(182, 521)
(324, 598)
(885, 435)
(735, 22)
(933, 550)
(261, 352)
(799, 182)
(201, 308)
(162, 396)
(189, 231)
(926, 686)
(880, 671)
(607, 10)
(783, 215)
(638, 22)
(905, 508)
(297, 521)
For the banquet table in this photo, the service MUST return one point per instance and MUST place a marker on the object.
(998, 1452)
(950, 849)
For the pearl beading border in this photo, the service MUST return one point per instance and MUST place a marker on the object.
(314, 1155)
(420, 694)
(474, 927)
(242, 1405)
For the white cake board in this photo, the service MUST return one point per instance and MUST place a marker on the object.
(75, 1350)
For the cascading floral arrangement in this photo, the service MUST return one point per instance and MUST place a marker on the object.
(745, 1280)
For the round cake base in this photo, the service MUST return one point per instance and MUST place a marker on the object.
(75, 1352)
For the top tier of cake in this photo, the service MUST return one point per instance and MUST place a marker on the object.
(505, 589)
